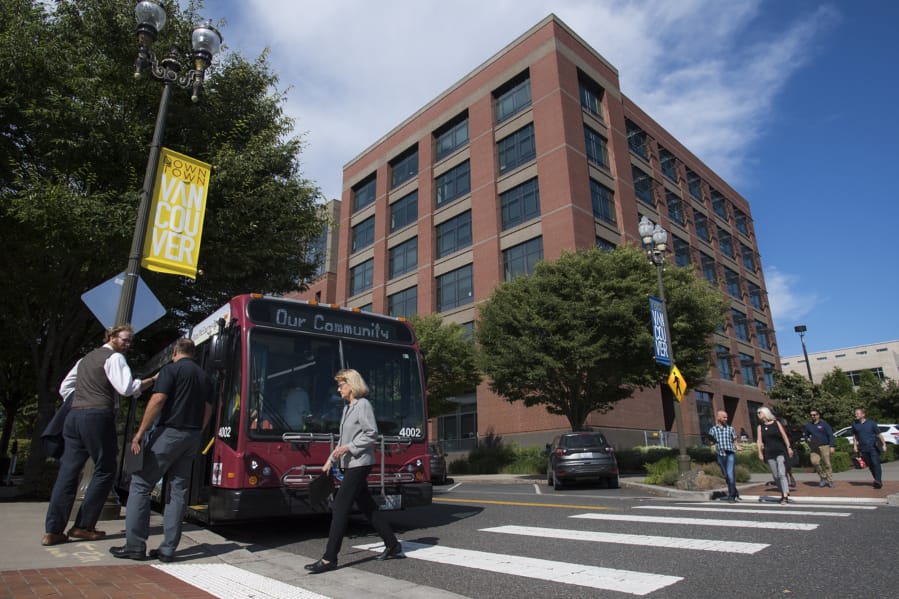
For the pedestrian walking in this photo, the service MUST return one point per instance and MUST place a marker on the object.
(354, 456)
(865, 437)
(821, 442)
(89, 431)
(727, 448)
(775, 448)
(178, 412)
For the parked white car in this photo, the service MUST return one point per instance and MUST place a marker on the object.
(890, 433)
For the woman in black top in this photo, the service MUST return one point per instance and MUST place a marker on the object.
(775, 448)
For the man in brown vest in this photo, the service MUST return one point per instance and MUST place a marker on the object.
(89, 431)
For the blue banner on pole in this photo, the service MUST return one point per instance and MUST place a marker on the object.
(660, 331)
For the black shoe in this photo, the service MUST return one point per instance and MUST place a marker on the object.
(321, 566)
(163, 557)
(878, 484)
(395, 552)
(124, 553)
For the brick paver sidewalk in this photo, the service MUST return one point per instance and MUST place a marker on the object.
(97, 582)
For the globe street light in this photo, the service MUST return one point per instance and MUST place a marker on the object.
(655, 241)
(206, 41)
(801, 329)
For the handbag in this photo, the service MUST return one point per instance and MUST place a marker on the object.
(320, 490)
(52, 442)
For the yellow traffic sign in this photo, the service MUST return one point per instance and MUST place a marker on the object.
(677, 383)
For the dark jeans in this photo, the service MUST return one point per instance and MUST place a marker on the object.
(727, 463)
(90, 434)
(872, 457)
(354, 488)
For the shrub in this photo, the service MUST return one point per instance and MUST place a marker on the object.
(527, 460)
(656, 471)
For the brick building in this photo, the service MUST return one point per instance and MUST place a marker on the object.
(535, 152)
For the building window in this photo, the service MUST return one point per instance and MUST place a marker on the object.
(364, 234)
(642, 186)
(453, 184)
(521, 259)
(364, 193)
(724, 370)
(748, 257)
(725, 243)
(668, 164)
(675, 208)
(361, 276)
(455, 289)
(597, 147)
(719, 204)
(709, 270)
(403, 258)
(768, 369)
(681, 252)
(591, 95)
(855, 375)
(732, 281)
(761, 331)
(404, 167)
(403, 303)
(516, 149)
(747, 370)
(451, 136)
(604, 244)
(741, 221)
(701, 222)
(603, 200)
(520, 204)
(741, 331)
(694, 185)
(454, 234)
(404, 211)
(704, 410)
(755, 295)
(636, 140)
(513, 97)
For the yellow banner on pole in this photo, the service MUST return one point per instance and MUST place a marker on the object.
(677, 383)
(172, 243)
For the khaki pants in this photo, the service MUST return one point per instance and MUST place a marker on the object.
(820, 458)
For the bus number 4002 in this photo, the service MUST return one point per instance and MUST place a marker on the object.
(408, 431)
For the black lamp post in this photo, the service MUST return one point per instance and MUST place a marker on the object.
(801, 329)
(655, 242)
(206, 41)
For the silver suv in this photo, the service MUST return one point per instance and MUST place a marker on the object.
(583, 456)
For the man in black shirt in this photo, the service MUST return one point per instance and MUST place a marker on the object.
(181, 406)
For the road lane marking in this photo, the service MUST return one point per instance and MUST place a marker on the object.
(737, 510)
(624, 539)
(521, 503)
(624, 581)
(537, 489)
(229, 582)
(700, 521)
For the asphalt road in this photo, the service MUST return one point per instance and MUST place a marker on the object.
(496, 540)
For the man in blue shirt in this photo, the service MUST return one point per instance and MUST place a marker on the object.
(865, 435)
(726, 442)
(820, 439)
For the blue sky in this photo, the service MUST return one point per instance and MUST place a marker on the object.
(792, 102)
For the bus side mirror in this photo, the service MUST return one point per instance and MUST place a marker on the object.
(217, 351)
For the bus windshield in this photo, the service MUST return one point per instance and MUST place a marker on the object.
(292, 387)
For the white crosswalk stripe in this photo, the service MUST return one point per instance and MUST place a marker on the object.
(610, 579)
(739, 510)
(626, 539)
(701, 521)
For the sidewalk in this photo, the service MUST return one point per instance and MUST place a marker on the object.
(226, 568)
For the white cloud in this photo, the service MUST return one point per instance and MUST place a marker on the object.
(788, 303)
(356, 69)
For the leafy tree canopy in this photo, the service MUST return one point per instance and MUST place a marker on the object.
(74, 131)
(450, 361)
(576, 336)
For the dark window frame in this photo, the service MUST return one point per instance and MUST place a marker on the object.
(516, 149)
(453, 184)
(520, 204)
(521, 259)
(402, 258)
(448, 232)
(404, 211)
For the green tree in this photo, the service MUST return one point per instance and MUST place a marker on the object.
(74, 129)
(450, 361)
(793, 397)
(575, 336)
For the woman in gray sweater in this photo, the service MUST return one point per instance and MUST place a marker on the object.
(355, 455)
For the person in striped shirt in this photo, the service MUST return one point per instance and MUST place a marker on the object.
(726, 442)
